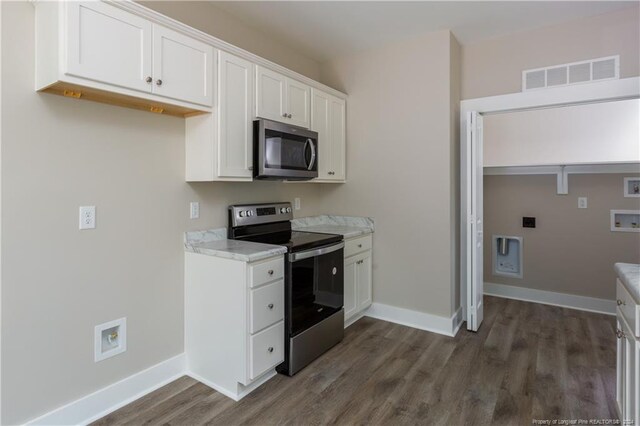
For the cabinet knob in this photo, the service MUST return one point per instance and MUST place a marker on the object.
(270, 305)
(270, 272)
(284, 115)
(620, 302)
(270, 349)
(159, 82)
(619, 333)
(250, 168)
(148, 79)
(359, 245)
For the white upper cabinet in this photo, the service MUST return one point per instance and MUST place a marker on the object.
(298, 103)
(108, 45)
(270, 99)
(235, 135)
(328, 119)
(182, 67)
(281, 98)
(98, 51)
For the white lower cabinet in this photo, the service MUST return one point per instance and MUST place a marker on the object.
(234, 321)
(357, 277)
(627, 360)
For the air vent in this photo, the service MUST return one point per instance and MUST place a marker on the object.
(574, 73)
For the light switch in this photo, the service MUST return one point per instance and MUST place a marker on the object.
(194, 210)
(296, 203)
(87, 217)
(582, 202)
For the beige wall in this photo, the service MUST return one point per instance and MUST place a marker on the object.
(205, 16)
(400, 166)
(494, 67)
(58, 282)
(571, 250)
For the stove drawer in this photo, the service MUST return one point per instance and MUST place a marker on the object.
(266, 306)
(266, 350)
(357, 245)
(262, 273)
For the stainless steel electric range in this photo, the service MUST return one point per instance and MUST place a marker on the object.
(314, 279)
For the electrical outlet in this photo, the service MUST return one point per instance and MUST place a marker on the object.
(194, 208)
(296, 203)
(582, 202)
(87, 217)
(528, 222)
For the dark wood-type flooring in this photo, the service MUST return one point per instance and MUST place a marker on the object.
(528, 361)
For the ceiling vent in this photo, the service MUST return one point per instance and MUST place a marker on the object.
(574, 73)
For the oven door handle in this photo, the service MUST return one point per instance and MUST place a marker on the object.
(310, 143)
(294, 257)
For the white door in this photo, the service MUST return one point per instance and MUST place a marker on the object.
(270, 95)
(298, 100)
(337, 120)
(320, 116)
(472, 191)
(182, 67)
(350, 287)
(235, 136)
(364, 282)
(108, 45)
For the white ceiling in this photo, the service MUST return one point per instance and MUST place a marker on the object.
(324, 29)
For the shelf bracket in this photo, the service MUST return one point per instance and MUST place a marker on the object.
(562, 181)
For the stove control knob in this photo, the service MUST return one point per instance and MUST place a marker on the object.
(249, 213)
(288, 209)
(241, 213)
(283, 210)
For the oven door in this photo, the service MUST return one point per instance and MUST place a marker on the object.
(316, 286)
(285, 151)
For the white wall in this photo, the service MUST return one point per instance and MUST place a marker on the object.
(400, 166)
(607, 132)
(494, 67)
(59, 282)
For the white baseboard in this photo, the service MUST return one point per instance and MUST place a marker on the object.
(354, 318)
(583, 303)
(236, 396)
(106, 400)
(416, 319)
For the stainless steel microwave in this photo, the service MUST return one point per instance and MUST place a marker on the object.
(284, 152)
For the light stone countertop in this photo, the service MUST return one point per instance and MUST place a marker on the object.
(214, 242)
(629, 274)
(347, 226)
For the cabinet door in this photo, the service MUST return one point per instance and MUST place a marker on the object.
(364, 282)
(337, 124)
(630, 373)
(270, 95)
(320, 114)
(350, 283)
(235, 130)
(182, 67)
(298, 97)
(620, 372)
(108, 45)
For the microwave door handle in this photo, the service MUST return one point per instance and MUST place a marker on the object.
(310, 143)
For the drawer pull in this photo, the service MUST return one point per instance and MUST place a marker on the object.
(270, 272)
(620, 302)
(619, 333)
(270, 305)
(359, 245)
(270, 349)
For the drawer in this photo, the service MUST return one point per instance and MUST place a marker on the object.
(628, 308)
(266, 306)
(266, 350)
(264, 272)
(357, 245)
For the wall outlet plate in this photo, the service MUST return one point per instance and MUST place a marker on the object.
(87, 217)
(296, 203)
(582, 202)
(194, 210)
(528, 222)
